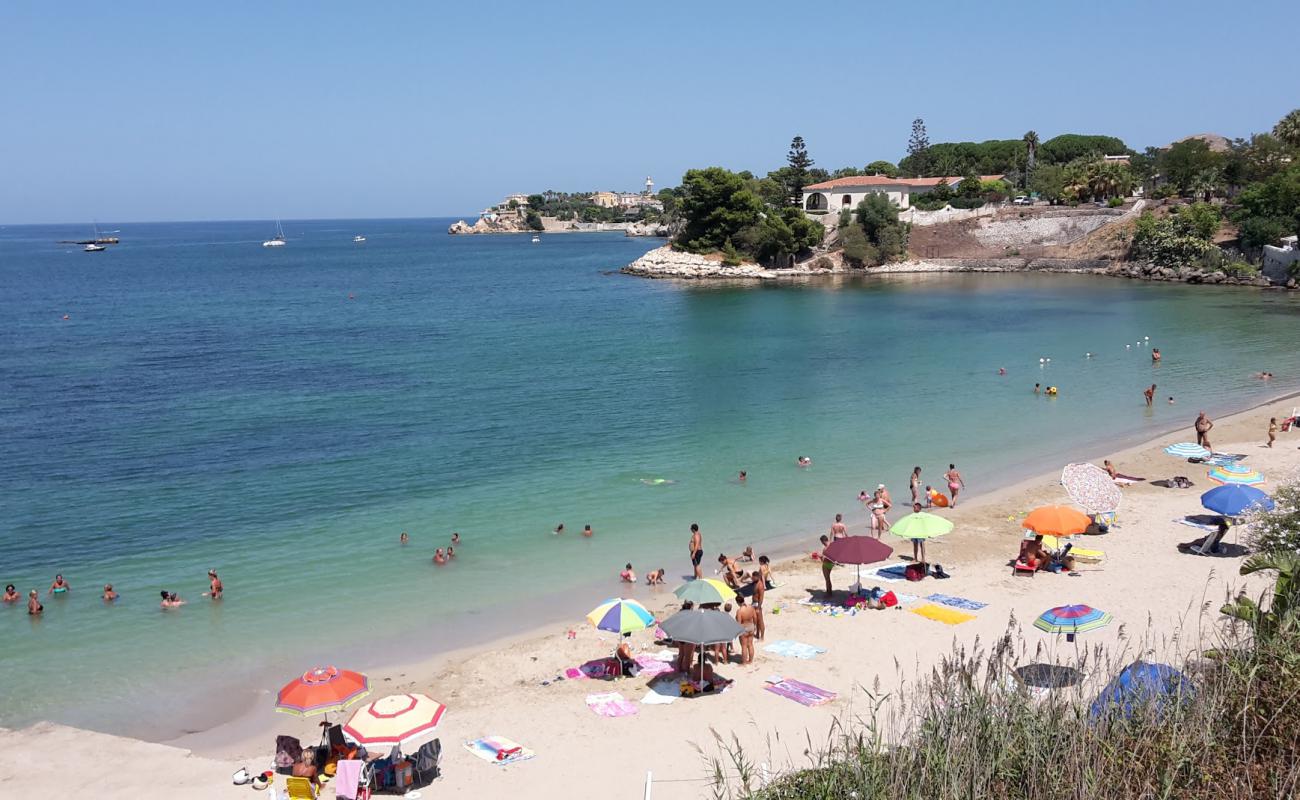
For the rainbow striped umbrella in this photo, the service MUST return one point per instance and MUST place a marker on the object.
(1071, 620)
(621, 616)
(1187, 450)
(322, 690)
(1236, 473)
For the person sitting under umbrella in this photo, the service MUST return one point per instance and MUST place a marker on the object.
(305, 767)
(626, 663)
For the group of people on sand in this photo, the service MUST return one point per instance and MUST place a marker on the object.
(60, 587)
(440, 556)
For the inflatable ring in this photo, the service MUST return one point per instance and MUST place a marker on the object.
(939, 500)
(320, 675)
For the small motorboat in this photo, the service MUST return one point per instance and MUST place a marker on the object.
(358, 239)
(94, 248)
(536, 239)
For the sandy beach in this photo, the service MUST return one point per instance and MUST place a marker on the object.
(1155, 593)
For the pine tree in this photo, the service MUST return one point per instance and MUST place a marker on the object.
(798, 162)
(918, 147)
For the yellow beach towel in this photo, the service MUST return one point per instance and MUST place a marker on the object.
(948, 616)
(1092, 556)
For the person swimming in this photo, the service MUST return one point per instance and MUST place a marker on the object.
(804, 461)
(404, 539)
(455, 538)
(11, 595)
(743, 475)
(558, 530)
(109, 595)
(656, 481)
(34, 607)
(439, 557)
(587, 531)
(59, 586)
(170, 600)
(451, 553)
(1038, 387)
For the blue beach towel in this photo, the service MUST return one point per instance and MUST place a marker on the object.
(792, 649)
(957, 602)
(897, 573)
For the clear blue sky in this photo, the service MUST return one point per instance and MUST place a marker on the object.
(250, 110)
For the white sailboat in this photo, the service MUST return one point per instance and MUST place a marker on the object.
(358, 239)
(93, 248)
(278, 239)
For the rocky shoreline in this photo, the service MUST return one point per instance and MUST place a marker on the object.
(665, 262)
(517, 223)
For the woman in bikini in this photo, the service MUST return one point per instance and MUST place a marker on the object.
(915, 484)
(955, 483)
(34, 607)
(879, 506)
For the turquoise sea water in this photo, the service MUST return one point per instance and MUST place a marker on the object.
(283, 414)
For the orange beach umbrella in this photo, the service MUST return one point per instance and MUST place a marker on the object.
(1056, 521)
(322, 690)
(401, 720)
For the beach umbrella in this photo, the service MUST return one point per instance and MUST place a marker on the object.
(1233, 500)
(1071, 620)
(859, 550)
(705, 590)
(919, 526)
(701, 627)
(1187, 450)
(1049, 676)
(1235, 473)
(1056, 521)
(1142, 684)
(1091, 488)
(322, 690)
(621, 616)
(399, 720)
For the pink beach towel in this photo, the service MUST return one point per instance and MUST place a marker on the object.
(802, 693)
(610, 704)
(596, 668)
(652, 667)
(347, 778)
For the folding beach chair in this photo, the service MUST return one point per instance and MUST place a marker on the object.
(299, 789)
(427, 760)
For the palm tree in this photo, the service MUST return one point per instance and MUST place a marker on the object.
(1286, 592)
(1288, 128)
(1031, 151)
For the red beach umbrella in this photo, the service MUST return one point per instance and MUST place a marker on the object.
(399, 719)
(322, 690)
(857, 550)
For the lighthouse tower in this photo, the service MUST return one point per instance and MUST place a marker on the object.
(649, 186)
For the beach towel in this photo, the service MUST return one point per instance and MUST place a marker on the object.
(793, 649)
(1191, 522)
(1082, 554)
(499, 750)
(957, 602)
(895, 573)
(662, 693)
(948, 616)
(610, 704)
(802, 693)
(347, 778)
(596, 668)
(651, 666)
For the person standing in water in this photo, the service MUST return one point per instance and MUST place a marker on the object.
(60, 586)
(838, 529)
(11, 594)
(915, 484)
(34, 607)
(109, 595)
(696, 549)
(588, 532)
(1150, 395)
(955, 483)
(1155, 355)
(215, 589)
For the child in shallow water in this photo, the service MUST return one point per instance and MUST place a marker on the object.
(627, 575)
(655, 577)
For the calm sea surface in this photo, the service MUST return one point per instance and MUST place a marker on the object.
(284, 414)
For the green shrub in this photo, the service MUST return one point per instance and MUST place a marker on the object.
(1115, 202)
(967, 202)
(1278, 529)
(928, 203)
(1240, 269)
(730, 256)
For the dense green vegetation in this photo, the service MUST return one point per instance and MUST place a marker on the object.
(1000, 156)
(578, 206)
(1181, 238)
(873, 235)
(721, 213)
(970, 730)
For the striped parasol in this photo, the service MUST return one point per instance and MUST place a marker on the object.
(399, 720)
(621, 616)
(1187, 450)
(321, 691)
(1091, 488)
(1236, 474)
(1071, 620)
(705, 590)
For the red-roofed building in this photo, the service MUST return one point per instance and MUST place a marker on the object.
(839, 193)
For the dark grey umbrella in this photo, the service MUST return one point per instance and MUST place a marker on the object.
(701, 627)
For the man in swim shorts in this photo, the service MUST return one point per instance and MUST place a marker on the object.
(696, 549)
(838, 529)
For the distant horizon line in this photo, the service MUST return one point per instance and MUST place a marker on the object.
(246, 219)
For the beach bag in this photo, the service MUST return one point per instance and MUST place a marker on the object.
(889, 599)
(914, 572)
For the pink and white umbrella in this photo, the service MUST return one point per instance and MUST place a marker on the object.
(402, 720)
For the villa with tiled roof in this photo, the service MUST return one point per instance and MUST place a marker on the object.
(839, 193)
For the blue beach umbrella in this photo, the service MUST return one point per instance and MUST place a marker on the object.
(1071, 620)
(1187, 450)
(1234, 499)
(1139, 684)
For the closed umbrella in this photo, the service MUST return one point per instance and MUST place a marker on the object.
(857, 550)
(1236, 473)
(1187, 450)
(1233, 500)
(701, 627)
(1091, 488)
(399, 720)
(1056, 521)
(322, 690)
(1072, 619)
(919, 526)
(705, 590)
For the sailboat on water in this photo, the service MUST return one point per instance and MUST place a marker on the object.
(96, 245)
(278, 239)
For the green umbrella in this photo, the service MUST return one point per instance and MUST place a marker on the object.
(920, 526)
(705, 590)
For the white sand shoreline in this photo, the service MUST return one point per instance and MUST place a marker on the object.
(494, 687)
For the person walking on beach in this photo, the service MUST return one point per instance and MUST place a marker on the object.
(955, 483)
(747, 618)
(827, 565)
(1272, 431)
(696, 549)
(918, 545)
(760, 589)
(838, 529)
(1150, 395)
(215, 589)
(1203, 426)
(915, 484)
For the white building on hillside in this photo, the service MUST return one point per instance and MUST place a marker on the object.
(839, 193)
